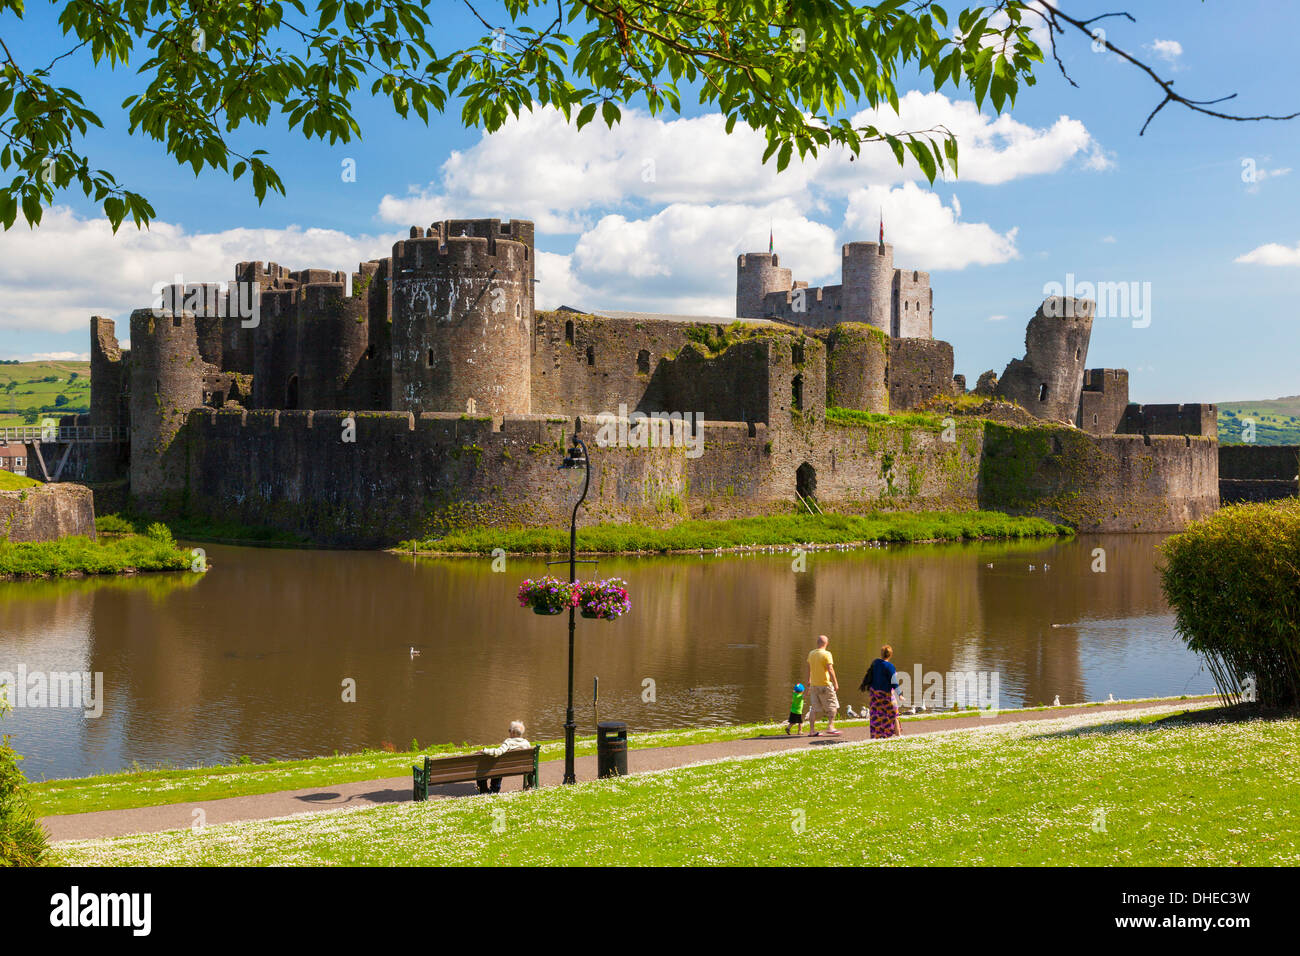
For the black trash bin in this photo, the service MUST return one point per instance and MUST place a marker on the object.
(611, 748)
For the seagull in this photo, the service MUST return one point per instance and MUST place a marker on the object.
(1056, 701)
(1031, 567)
(850, 711)
(1046, 567)
(1110, 698)
(414, 652)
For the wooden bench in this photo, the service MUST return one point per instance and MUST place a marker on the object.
(468, 768)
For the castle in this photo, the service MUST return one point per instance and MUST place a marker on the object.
(428, 392)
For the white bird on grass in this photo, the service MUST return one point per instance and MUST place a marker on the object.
(1110, 698)
(1056, 701)
(850, 712)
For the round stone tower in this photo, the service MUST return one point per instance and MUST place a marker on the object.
(867, 294)
(166, 382)
(757, 274)
(462, 317)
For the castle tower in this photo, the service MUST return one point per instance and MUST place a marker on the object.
(333, 333)
(462, 307)
(1049, 379)
(867, 276)
(166, 382)
(757, 274)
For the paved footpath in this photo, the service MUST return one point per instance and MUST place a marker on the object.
(265, 806)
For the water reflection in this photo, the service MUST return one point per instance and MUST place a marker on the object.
(252, 658)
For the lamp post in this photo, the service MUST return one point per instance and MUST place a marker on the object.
(576, 457)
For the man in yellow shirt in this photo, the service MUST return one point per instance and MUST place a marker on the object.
(823, 687)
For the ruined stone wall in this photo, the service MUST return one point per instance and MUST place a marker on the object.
(47, 513)
(816, 308)
(1258, 472)
(857, 360)
(1100, 483)
(919, 370)
(1103, 401)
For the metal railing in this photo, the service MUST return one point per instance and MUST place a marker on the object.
(29, 434)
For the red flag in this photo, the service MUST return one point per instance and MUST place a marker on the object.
(771, 242)
(882, 228)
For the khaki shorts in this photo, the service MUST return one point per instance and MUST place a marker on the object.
(823, 701)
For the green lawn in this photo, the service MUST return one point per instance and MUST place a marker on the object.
(155, 786)
(1097, 789)
(782, 529)
(11, 482)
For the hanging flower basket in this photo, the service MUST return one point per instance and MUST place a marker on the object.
(603, 600)
(547, 595)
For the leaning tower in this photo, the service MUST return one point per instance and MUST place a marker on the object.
(462, 316)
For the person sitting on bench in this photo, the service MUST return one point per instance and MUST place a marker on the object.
(516, 741)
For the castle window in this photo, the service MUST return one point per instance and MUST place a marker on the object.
(796, 394)
(1042, 392)
(591, 355)
(176, 321)
(518, 311)
(568, 331)
(370, 352)
(643, 362)
(429, 358)
(796, 353)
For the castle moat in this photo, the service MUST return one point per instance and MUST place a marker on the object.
(252, 657)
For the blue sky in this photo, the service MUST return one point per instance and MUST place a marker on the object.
(651, 215)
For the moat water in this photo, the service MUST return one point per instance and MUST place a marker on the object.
(252, 657)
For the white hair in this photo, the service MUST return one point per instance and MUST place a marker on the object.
(516, 728)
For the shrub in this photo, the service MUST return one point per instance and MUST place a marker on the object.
(23, 841)
(1233, 580)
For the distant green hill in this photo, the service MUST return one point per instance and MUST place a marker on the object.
(1277, 421)
(30, 391)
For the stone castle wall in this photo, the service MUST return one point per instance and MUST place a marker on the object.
(47, 513)
(1258, 472)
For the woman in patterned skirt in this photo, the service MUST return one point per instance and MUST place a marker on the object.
(882, 680)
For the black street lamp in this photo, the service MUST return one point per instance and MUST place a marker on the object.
(577, 457)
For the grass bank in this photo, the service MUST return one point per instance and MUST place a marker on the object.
(11, 482)
(77, 555)
(739, 533)
(1131, 788)
(158, 786)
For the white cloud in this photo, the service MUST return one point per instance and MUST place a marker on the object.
(682, 259)
(997, 318)
(924, 232)
(116, 274)
(990, 150)
(539, 167)
(1109, 239)
(51, 357)
(1167, 50)
(1272, 254)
